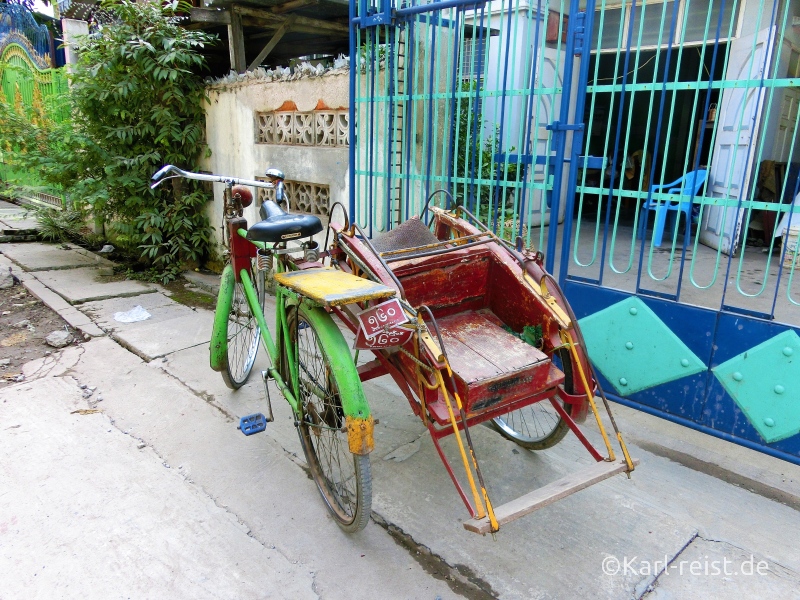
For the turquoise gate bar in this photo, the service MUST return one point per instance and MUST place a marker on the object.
(459, 95)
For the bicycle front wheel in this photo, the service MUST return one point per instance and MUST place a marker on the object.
(243, 332)
(344, 479)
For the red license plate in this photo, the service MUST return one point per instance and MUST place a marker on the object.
(395, 336)
(381, 318)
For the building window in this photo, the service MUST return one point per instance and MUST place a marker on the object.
(322, 128)
(473, 59)
(304, 197)
(652, 20)
(698, 12)
(611, 22)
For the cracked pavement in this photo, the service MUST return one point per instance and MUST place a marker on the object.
(95, 511)
(158, 495)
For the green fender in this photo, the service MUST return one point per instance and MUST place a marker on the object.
(219, 334)
(354, 403)
(359, 421)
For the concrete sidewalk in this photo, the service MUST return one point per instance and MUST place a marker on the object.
(89, 511)
(16, 223)
(688, 506)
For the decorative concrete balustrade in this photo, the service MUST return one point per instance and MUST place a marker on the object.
(325, 128)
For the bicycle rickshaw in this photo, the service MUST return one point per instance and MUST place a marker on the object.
(471, 330)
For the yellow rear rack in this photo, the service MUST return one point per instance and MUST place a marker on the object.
(331, 287)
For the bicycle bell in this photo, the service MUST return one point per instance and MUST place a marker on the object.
(244, 193)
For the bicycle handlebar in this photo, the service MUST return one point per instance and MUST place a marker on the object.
(159, 178)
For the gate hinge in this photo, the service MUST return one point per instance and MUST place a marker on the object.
(580, 34)
(374, 17)
(559, 126)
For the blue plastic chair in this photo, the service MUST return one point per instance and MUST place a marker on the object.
(687, 186)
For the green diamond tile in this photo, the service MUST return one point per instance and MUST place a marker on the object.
(765, 383)
(634, 349)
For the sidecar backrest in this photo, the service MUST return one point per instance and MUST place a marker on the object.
(410, 234)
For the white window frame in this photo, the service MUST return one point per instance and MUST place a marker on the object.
(470, 58)
(626, 15)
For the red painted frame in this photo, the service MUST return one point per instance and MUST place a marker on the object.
(518, 311)
(242, 251)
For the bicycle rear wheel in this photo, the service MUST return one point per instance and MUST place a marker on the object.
(538, 426)
(243, 333)
(344, 479)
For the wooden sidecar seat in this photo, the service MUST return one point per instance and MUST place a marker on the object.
(478, 297)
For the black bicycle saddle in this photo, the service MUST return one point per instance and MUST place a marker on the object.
(278, 226)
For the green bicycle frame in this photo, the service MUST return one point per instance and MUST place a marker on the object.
(354, 403)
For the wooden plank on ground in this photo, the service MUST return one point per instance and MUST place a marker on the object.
(548, 494)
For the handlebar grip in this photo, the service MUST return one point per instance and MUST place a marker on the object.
(161, 172)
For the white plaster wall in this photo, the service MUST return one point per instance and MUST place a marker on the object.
(755, 15)
(72, 29)
(522, 37)
(231, 136)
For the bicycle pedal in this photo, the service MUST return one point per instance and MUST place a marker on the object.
(255, 423)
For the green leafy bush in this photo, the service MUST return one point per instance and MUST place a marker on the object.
(136, 103)
(475, 159)
(61, 225)
(139, 98)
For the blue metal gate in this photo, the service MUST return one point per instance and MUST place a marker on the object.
(649, 148)
(696, 322)
(466, 96)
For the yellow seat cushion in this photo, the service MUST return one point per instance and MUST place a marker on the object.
(332, 287)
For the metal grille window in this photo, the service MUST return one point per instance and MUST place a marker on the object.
(695, 23)
(474, 59)
(328, 129)
(304, 197)
(696, 14)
